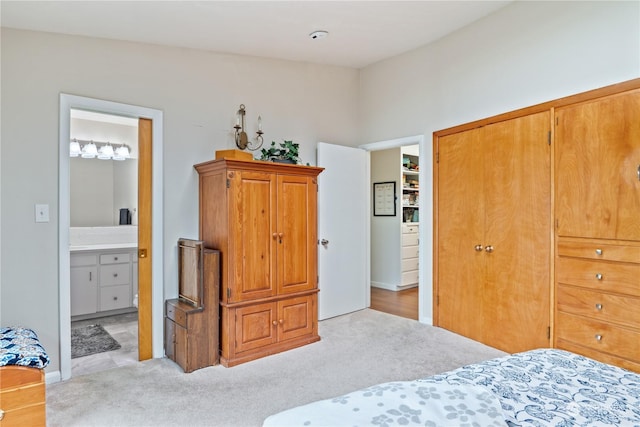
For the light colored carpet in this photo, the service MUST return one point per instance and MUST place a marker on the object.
(356, 350)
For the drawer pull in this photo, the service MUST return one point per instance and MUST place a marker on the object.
(115, 258)
(598, 306)
(115, 274)
(599, 276)
(1, 414)
(598, 337)
(598, 251)
(115, 298)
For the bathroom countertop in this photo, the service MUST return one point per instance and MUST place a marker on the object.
(102, 247)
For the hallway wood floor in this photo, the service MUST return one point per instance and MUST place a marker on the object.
(402, 303)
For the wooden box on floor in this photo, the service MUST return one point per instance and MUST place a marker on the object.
(191, 321)
(22, 397)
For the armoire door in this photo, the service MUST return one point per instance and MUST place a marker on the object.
(252, 235)
(296, 234)
(493, 233)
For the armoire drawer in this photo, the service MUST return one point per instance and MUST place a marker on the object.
(599, 336)
(599, 251)
(606, 307)
(610, 276)
(116, 274)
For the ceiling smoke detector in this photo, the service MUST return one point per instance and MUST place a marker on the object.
(320, 34)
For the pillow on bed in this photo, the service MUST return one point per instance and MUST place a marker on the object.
(20, 346)
(400, 404)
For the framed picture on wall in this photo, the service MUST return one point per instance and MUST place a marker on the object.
(384, 198)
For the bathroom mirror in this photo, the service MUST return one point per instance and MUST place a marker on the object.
(99, 189)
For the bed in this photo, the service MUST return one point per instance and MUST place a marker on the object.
(22, 386)
(544, 387)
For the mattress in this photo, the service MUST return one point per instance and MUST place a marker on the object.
(545, 387)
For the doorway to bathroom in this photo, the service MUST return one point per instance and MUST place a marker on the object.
(103, 240)
(117, 261)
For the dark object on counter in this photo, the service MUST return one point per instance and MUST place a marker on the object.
(125, 216)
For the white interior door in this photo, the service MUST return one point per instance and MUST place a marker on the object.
(343, 222)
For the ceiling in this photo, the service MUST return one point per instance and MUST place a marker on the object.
(360, 32)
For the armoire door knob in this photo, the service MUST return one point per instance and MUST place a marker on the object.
(478, 248)
(489, 249)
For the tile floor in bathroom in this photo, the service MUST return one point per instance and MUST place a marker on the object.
(124, 329)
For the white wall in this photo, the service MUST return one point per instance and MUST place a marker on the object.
(199, 93)
(524, 54)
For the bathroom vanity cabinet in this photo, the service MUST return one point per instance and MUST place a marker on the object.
(103, 281)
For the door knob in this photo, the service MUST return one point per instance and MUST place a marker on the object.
(489, 249)
(324, 242)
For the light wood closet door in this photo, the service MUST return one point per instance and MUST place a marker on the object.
(517, 193)
(460, 228)
(494, 233)
(598, 161)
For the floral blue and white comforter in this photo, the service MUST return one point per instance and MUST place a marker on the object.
(20, 346)
(536, 388)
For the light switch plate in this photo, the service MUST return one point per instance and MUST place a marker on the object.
(42, 213)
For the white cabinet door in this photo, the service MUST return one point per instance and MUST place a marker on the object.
(84, 290)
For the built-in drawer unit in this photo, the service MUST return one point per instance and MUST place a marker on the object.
(409, 261)
(597, 299)
(102, 281)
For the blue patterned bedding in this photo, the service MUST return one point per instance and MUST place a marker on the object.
(545, 387)
(20, 346)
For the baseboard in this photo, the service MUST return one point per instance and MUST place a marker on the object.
(52, 377)
(392, 287)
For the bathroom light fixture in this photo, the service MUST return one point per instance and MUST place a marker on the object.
(122, 153)
(102, 150)
(105, 152)
(242, 141)
(89, 151)
(74, 148)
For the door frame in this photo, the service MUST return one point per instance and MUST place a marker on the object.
(68, 102)
(425, 234)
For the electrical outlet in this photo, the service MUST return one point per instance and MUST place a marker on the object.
(42, 213)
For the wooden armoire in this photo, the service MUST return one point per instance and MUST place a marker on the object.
(537, 227)
(262, 217)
